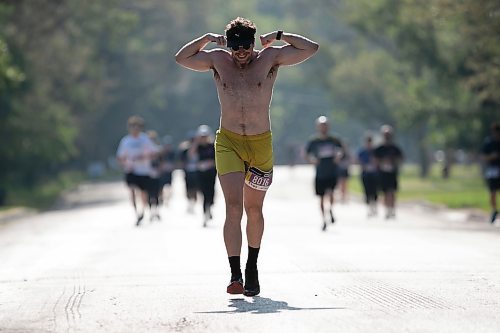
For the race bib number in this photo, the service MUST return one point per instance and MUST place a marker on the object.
(258, 179)
(326, 150)
(370, 168)
(387, 167)
(206, 165)
(492, 172)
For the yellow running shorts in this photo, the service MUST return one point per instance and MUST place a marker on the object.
(243, 153)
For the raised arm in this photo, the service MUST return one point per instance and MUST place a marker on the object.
(193, 56)
(299, 48)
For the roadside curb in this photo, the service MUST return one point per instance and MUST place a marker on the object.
(451, 214)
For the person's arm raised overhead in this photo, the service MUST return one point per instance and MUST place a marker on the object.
(298, 47)
(193, 56)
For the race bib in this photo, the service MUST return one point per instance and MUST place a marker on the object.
(326, 150)
(387, 167)
(206, 165)
(258, 179)
(370, 168)
(492, 172)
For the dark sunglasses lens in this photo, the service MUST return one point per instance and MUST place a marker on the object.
(237, 47)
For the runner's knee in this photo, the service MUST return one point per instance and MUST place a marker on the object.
(254, 212)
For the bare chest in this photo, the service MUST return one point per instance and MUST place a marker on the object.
(249, 81)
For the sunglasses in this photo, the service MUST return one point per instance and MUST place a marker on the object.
(245, 46)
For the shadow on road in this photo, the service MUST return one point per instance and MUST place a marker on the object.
(262, 305)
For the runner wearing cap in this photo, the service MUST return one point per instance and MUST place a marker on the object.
(202, 150)
(244, 78)
(388, 157)
(325, 151)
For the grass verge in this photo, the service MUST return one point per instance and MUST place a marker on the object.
(44, 194)
(465, 188)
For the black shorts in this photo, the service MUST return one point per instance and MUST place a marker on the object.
(388, 181)
(321, 185)
(343, 173)
(191, 178)
(493, 184)
(166, 179)
(142, 182)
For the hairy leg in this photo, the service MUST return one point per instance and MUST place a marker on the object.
(253, 202)
(232, 188)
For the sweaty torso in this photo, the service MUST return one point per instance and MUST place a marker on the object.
(245, 93)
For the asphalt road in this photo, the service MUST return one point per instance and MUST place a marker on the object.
(87, 268)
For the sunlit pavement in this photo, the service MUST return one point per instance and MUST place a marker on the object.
(87, 268)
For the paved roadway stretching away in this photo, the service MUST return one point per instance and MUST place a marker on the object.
(86, 268)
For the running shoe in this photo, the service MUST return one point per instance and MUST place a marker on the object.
(332, 219)
(139, 219)
(252, 287)
(493, 216)
(324, 226)
(235, 286)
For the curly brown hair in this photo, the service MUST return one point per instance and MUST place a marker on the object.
(241, 26)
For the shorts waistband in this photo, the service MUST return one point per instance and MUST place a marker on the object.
(237, 136)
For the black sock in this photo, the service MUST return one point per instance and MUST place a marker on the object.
(253, 253)
(234, 262)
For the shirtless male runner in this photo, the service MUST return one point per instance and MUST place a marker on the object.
(244, 78)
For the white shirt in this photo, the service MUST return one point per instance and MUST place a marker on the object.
(135, 151)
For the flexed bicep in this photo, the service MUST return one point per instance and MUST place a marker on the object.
(200, 61)
(193, 56)
(289, 55)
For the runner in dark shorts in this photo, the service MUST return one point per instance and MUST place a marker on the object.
(135, 153)
(369, 175)
(325, 151)
(141, 182)
(167, 166)
(388, 157)
(204, 151)
(491, 155)
(154, 182)
(190, 173)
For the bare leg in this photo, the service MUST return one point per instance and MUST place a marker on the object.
(132, 198)
(254, 201)
(144, 199)
(332, 196)
(232, 188)
(493, 201)
(343, 189)
(389, 197)
(322, 205)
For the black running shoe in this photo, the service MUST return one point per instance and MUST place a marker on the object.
(323, 228)
(235, 286)
(332, 219)
(493, 216)
(252, 287)
(139, 219)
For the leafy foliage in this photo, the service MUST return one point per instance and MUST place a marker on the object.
(72, 72)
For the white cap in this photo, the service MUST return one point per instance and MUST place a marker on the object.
(203, 130)
(322, 120)
(386, 129)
